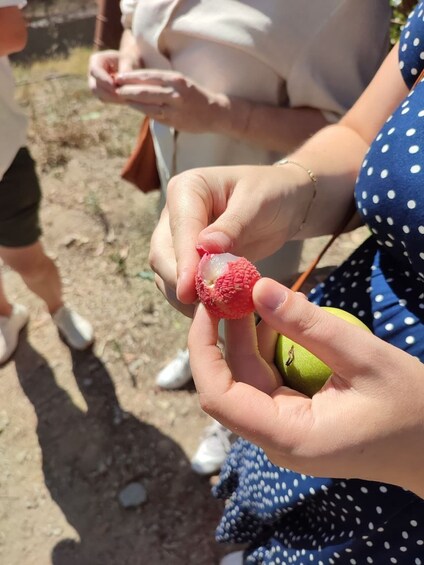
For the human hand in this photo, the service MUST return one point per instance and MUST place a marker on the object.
(366, 422)
(171, 98)
(102, 67)
(214, 209)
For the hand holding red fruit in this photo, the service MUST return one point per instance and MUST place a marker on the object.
(224, 284)
(214, 208)
(366, 422)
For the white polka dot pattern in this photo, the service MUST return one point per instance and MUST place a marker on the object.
(290, 518)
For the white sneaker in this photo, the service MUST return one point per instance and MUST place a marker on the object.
(234, 558)
(76, 330)
(10, 326)
(177, 373)
(212, 450)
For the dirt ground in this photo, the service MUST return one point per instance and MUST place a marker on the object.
(76, 428)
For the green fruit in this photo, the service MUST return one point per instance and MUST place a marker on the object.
(301, 370)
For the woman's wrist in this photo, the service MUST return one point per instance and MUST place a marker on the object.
(129, 53)
(314, 184)
(301, 186)
(232, 116)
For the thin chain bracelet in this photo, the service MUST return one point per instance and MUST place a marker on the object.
(314, 181)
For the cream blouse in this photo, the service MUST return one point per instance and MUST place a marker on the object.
(320, 54)
(13, 122)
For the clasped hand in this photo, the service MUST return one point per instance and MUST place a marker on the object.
(171, 98)
(214, 208)
(166, 96)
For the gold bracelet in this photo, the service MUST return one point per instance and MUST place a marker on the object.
(314, 180)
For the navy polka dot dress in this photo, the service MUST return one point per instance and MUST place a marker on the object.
(286, 517)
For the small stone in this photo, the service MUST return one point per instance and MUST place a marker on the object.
(134, 494)
(101, 468)
(184, 411)
(135, 365)
(31, 504)
(4, 421)
(117, 416)
(153, 529)
(22, 456)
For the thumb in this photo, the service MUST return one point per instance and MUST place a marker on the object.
(344, 347)
(231, 231)
(246, 226)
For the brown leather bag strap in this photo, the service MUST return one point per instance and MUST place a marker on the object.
(301, 280)
(419, 79)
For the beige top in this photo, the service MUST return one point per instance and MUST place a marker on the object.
(13, 123)
(319, 53)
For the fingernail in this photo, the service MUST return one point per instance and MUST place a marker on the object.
(215, 242)
(201, 250)
(275, 296)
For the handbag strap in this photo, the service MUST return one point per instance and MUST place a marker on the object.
(301, 280)
(303, 277)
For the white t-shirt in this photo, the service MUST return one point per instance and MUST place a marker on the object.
(13, 122)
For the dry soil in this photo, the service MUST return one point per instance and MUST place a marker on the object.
(76, 428)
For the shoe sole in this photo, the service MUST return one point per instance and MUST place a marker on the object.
(66, 342)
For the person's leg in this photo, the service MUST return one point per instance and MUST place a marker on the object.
(38, 272)
(20, 248)
(41, 276)
(20, 230)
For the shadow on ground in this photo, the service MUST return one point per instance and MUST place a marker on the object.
(89, 456)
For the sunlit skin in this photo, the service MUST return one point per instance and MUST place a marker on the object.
(375, 413)
(364, 399)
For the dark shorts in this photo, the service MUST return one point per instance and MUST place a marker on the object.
(20, 197)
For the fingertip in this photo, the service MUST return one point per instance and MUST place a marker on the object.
(214, 242)
(269, 295)
(186, 290)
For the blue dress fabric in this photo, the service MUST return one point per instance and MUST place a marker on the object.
(286, 517)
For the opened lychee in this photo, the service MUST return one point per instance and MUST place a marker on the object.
(224, 284)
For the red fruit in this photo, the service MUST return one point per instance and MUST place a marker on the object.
(224, 284)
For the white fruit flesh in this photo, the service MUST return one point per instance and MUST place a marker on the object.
(215, 265)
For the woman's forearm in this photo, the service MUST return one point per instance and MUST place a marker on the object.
(129, 53)
(334, 155)
(273, 128)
